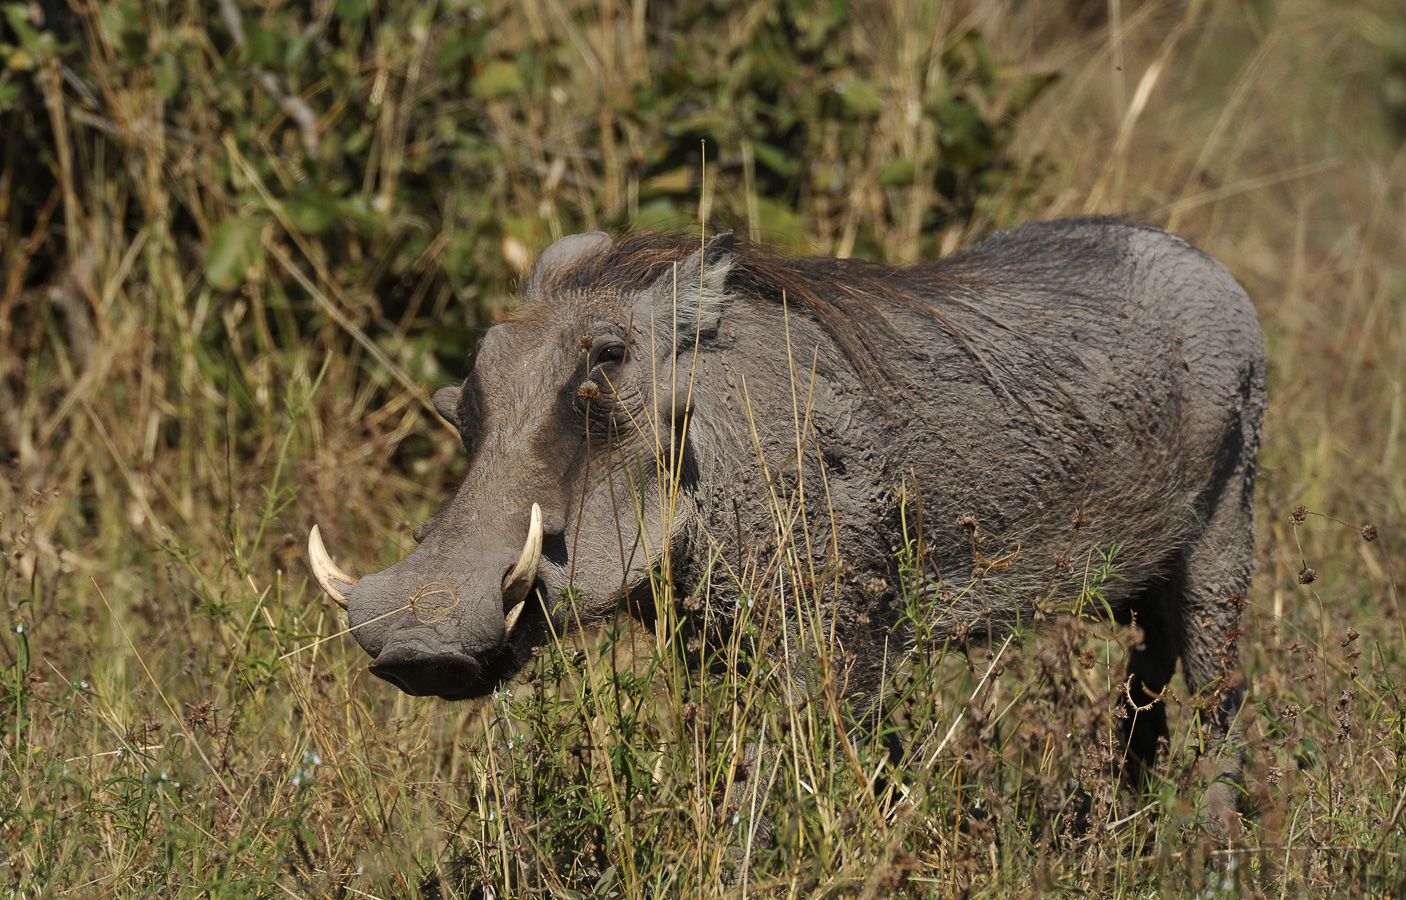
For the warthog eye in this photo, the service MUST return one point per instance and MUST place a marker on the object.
(608, 354)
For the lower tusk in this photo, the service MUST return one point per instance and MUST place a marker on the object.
(519, 580)
(511, 621)
(333, 580)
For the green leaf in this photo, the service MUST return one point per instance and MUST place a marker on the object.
(606, 884)
(234, 247)
(312, 213)
(860, 96)
(38, 44)
(11, 95)
(775, 159)
(457, 47)
(260, 44)
(353, 11)
(778, 221)
(167, 75)
(658, 214)
(498, 79)
(898, 173)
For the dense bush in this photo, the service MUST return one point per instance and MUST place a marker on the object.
(391, 152)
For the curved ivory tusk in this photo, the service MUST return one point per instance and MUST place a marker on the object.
(510, 622)
(519, 580)
(328, 575)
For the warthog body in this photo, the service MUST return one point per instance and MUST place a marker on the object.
(1060, 389)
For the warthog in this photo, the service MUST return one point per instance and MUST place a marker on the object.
(1059, 389)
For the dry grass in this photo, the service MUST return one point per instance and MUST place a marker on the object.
(182, 717)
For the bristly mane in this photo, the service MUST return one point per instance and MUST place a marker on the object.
(847, 297)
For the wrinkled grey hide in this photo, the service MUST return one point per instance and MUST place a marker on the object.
(1060, 388)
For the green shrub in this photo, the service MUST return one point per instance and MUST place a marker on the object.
(391, 151)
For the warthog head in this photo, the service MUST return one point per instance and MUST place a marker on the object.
(568, 421)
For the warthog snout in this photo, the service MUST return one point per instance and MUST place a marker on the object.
(431, 628)
(426, 671)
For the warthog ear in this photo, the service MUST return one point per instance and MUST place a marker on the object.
(446, 403)
(695, 292)
(558, 256)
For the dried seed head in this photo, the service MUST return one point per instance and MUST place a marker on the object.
(878, 586)
(1352, 635)
(586, 342)
(1369, 533)
(967, 523)
(1080, 519)
(588, 391)
(1237, 600)
(1308, 575)
(1300, 513)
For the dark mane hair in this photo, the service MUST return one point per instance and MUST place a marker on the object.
(847, 297)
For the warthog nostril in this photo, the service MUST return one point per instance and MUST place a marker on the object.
(424, 672)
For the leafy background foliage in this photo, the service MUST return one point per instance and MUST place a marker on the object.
(242, 243)
(395, 150)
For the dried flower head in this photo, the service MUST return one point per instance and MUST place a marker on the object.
(967, 523)
(1080, 519)
(1300, 513)
(588, 391)
(1369, 533)
(586, 342)
(1308, 575)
